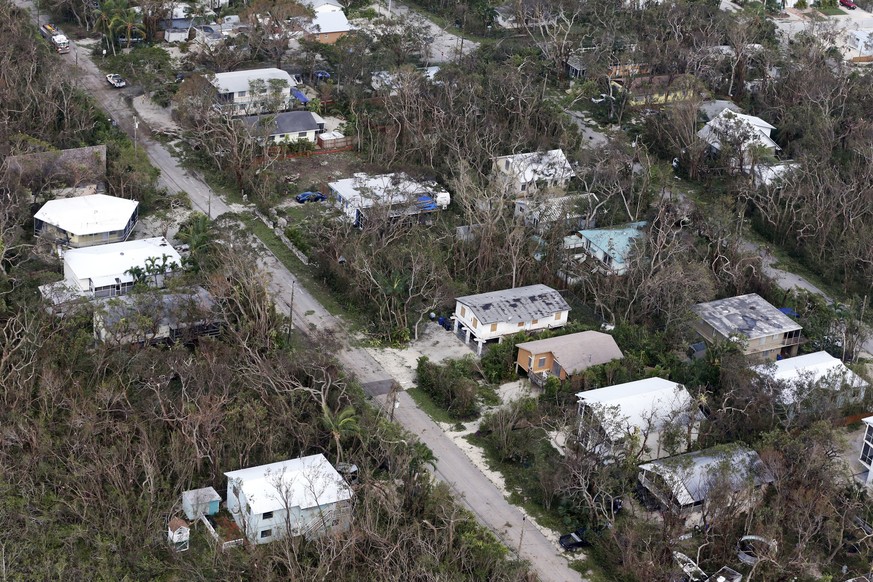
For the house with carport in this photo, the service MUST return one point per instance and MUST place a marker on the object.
(660, 416)
(563, 356)
(494, 315)
(761, 331)
(298, 497)
(84, 221)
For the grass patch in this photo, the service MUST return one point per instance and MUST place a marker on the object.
(828, 11)
(424, 402)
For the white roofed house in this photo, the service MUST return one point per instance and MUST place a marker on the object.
(493, 315)
(304, 496)
(112, 270)
(524, 174)
(745, 139)
(683, 484)
(84, 221)
(254, 91)
(813, 383)
(656, 417)
(394, 195)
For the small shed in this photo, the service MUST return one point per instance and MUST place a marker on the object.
(178, 534)
(197, 502)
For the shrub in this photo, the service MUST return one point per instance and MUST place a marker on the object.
(450, 386)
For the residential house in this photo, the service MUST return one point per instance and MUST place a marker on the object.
(112, 270)
(85, 221)
(178, 534)
(520, 174)
(391, 82)
(682, 484)
(763, 332)
(287, 127)
(397, 195)
(524, 13)
(541, 212)
(565, 355)
(493, 315)
(656, 90)
(866, 456)
(198, 502)
(609, 248)
(254, 91)
(329, 23)
(659, 413)
(816, 379)
(746, 137)
(147, 318)
(304, 496)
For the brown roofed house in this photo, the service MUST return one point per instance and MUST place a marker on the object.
(566, 355)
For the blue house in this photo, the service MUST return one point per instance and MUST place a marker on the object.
(197, 502)
(609, 248)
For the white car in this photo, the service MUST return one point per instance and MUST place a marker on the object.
(116, 80)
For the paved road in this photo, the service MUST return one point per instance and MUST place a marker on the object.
(445, 47)
(453, 466)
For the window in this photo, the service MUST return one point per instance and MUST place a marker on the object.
(541, 363)
(607, 259)
(241, 94)
(301, 134)
(506, 164)
(535, 321)
(523, 187)
(520, 324)
(266, 533)
(493, 327)
(268, 515)
(463, 311)
(475, 323)
(557, 317)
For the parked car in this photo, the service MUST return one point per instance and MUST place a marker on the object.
(305, 197)
(848, 4)
(116, 80)
(575, 540)
(322, 75)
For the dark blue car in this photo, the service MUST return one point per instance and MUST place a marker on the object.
(305, 197)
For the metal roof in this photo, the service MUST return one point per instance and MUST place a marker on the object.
(104, 263)
(536, 166)
(818, 368)
(638, 402)
(514, 305)
(691, 475)
(304, 482)
(615, 241)
(162, 308)
(287, 122)
(577, 351)
(236, 81)
(85, 215)
(745, 315)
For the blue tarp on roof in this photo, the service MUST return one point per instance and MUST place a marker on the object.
(426, 203)
(789, 311)
(300, 96)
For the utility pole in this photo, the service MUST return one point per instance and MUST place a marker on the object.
(291, 307)
(521, 537)
(135, 127)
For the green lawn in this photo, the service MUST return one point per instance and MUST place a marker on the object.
(424, 402)
(828, 11)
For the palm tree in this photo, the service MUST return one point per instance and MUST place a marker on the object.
(128, 20)
(104, 16)
(342, 424)
(196, 234)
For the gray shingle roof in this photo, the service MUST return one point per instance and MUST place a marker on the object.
(748, 315)
(288, 122)
(513, 305)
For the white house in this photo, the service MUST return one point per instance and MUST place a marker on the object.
(305, 496)
(643, 410)
(814, 378)
(108, 270)
(397, 194)
(521, 173)
(493, 315)
(86, 220)
(391, 82)
(682, 483)
(610, 248)
(286, 127)
(739, 132)
(254, 91)
(866, 456)
(524, 13)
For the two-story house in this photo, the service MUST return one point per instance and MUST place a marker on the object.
(493, 315)
(566, 355)
(299, 497)
(84, 221)
(762, 331)
(523, 174)
(608, 249)
(394, 195)
(254, 91)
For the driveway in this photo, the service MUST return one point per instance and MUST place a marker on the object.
(471, 487)
(445, 47)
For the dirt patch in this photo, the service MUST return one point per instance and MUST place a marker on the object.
(165, 224)
(156, 117)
